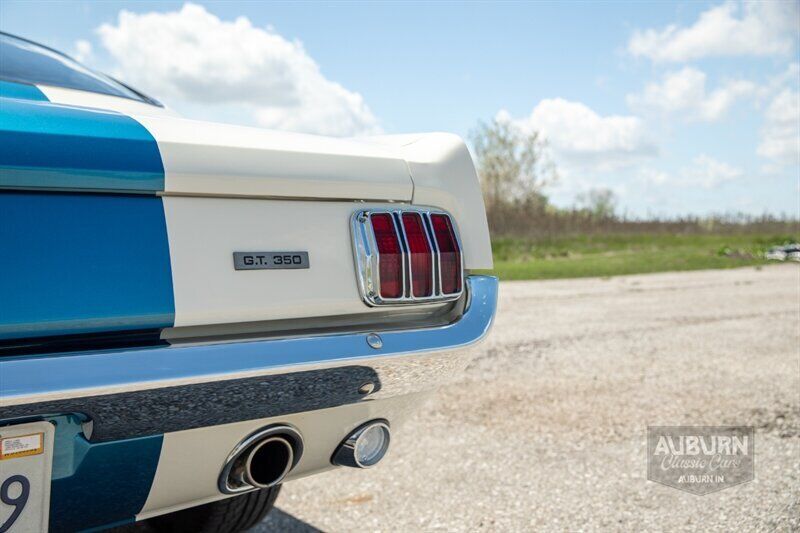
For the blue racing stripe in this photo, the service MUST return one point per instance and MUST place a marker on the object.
(22, 91)
(82, 263)
(46, 145)
(98, 485)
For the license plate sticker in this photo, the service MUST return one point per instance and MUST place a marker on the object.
(22, 446)
(26, 463)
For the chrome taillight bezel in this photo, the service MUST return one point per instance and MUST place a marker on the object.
(366, 257)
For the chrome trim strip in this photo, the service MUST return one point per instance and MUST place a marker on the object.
(403, 254)
(66, 378)
(408, 287)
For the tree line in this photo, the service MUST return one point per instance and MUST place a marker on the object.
(515, 170)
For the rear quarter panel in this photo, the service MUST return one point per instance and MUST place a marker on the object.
(204, 233)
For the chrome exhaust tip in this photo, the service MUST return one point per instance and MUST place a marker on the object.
(365, 446)
(266, 464)
(261, 460)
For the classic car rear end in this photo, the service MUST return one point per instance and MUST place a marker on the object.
(193, 313)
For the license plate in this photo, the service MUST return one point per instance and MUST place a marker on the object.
(26, 462)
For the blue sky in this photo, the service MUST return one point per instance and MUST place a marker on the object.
(677, 107)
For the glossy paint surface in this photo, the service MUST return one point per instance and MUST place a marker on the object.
(80, 263)
(204, 158)
(45, 145)
(22, 91)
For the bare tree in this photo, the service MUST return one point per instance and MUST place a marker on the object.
(514, 167)
(600, 203)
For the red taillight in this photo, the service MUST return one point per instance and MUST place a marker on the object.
(407, 255)
(449, 253)
(390, 260)
(421, 256)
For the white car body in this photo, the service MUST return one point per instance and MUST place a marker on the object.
(238, 350)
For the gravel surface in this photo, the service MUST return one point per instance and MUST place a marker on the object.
(547, 429)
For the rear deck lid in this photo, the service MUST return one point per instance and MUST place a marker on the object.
(204, 158)
(76, 140)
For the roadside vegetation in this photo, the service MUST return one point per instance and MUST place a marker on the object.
(532, 239)
(613, 255)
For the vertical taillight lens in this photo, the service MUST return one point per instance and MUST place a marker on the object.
(407, 255)
(421, 257)
(449, 253)
(390, 259)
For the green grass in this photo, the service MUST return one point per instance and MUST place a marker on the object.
(614, 255)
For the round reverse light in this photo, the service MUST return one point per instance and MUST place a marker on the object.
(371, 446)
(365, 446)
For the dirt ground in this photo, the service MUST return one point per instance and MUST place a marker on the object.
(547, 429)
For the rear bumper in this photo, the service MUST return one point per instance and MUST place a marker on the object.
(165, 419)
(149, 391)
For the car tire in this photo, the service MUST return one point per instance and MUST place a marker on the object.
(230, 515)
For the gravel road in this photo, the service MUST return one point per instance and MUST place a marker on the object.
(547, 429)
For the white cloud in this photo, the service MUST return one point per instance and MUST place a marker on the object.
(192, 56)
(651, 176)
(704, 172)
(684, 91)
(580, 136)
(790, 76)
(708, 173)
(759, 28)
(780, 135)
(82, 51)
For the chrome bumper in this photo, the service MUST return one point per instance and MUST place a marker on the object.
(146, 391)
